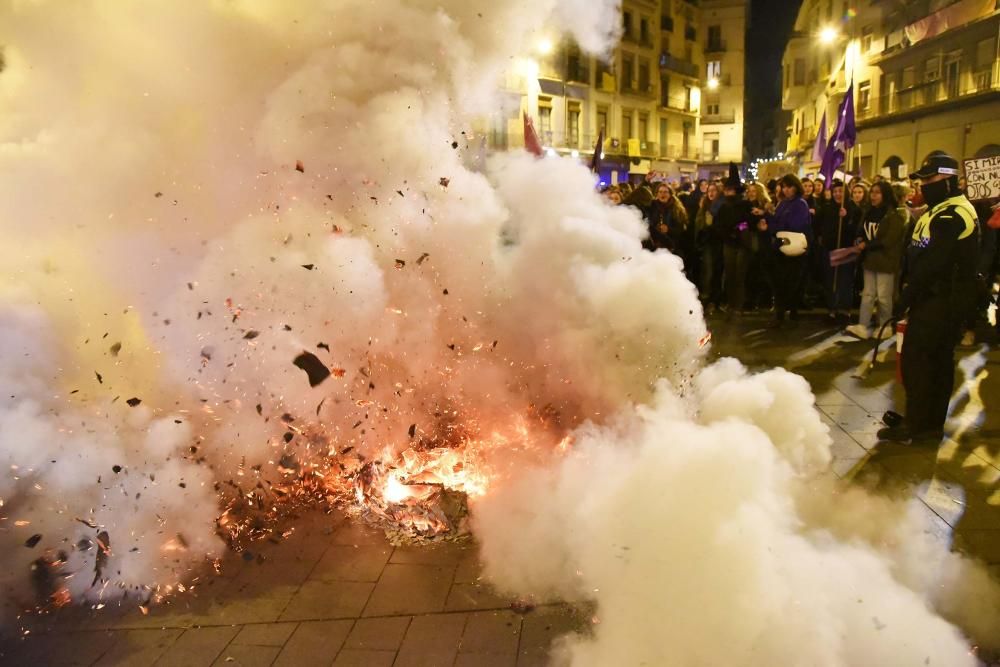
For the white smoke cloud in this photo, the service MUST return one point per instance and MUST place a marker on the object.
(219, 187)
(707, 544)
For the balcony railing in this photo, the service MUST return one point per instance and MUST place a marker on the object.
(629, 88)
(676, 103)
(569, 140)
(719, 118)
(933, 92)
(675, 64)
(680, 153)
(715, 46)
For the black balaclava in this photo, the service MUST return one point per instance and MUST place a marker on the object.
(937, 192)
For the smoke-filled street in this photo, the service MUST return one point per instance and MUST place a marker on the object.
(354, 332)
(337, 591)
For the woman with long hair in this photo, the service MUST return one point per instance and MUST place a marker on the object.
(759, 283)
(859, 195)
(839, 220)
(791, 230)
(882, 232)
(709, 247)
(667, 221)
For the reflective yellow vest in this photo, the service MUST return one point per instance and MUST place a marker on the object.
(961, 206)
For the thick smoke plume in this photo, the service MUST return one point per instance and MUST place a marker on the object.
(232, 225)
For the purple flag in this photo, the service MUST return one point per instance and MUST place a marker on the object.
(844, 136)
(819, 148)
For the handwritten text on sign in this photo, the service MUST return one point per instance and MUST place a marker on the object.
(983, 177)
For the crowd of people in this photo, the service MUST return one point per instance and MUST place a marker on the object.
(793, 244)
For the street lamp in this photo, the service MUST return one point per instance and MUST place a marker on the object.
(828, 34)
(544, 46)
(713, 83)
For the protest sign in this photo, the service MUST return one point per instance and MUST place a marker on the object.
(982, 177)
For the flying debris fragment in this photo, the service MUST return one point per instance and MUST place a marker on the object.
(314, 368)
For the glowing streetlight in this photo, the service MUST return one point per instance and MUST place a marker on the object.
(544, 46)
(713, 84)
(828, 34)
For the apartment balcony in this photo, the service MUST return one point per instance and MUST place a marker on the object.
(794, 96)
(723, 118)
(680, 104)
(566, 140)
(953, 19)
(715, 46)
(980, 85)
(674, 152)
(678, 65)
(643, 149)
(638, 90)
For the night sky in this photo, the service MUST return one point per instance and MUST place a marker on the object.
(771, 22)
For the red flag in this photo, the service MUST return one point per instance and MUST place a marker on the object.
(532, 143)
(595, 163)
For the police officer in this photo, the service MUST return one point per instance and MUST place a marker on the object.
(939, 292)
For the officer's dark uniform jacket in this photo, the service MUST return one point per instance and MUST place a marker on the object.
(940, 291)
(941, 259)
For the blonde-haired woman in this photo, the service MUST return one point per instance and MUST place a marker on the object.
(760, 287)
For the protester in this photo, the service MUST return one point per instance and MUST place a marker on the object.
(734, 228)
(939, 292)
(709, 248)
(692, 264)
(882, 234)
(642, 196)
(815, 279)
(759, 283)
(613, 194)
(667, 221)
(807, 189)
(985, 263)
(772, 189)
(859, 195)
(838, 228)
(819, 190)
(789, 224)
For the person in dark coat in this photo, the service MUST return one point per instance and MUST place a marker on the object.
(709, 249)
(667, 221)
(734, 228)
(838, 228)
(760, 278)
(937, 298)
(881, 240)
(791, 230)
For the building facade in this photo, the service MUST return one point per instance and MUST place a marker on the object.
(926, 76)
(723, 38)
(647, 98)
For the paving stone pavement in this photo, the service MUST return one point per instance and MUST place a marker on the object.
(337, 593)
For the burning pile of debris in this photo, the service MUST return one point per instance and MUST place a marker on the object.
(419, 494)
